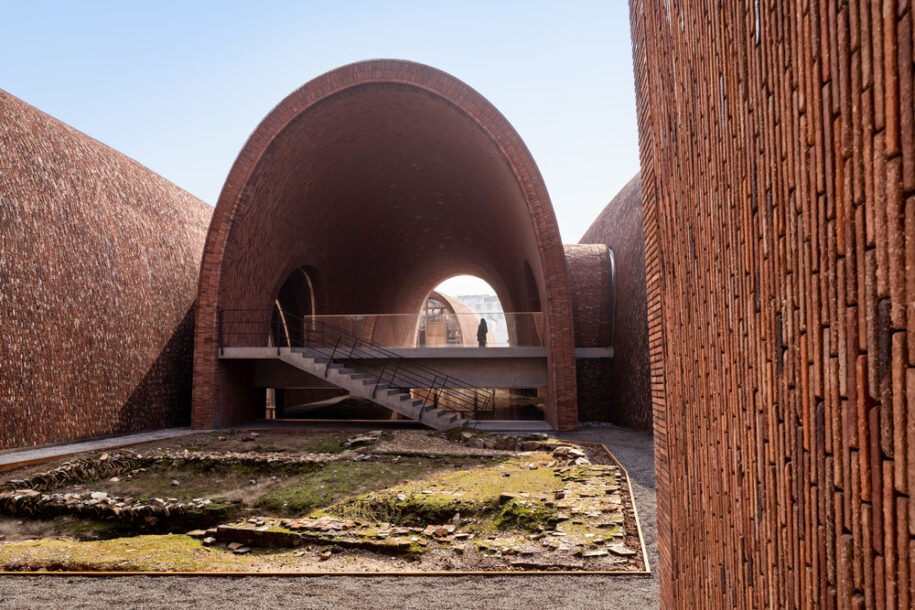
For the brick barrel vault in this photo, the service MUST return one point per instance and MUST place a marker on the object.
(385, 177)
(99, 264)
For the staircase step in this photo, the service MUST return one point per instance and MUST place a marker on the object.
(353, 379)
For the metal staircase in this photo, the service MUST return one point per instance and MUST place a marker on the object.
(346, 360)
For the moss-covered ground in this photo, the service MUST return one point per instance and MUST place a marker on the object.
(471, 508)
(336, 481)
(497, 495)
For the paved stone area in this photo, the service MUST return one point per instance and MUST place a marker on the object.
(111, 442)
(635, 450)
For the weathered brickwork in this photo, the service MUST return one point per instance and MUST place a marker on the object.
(778, 168)
(384, 177)
(622, 389)
(98, 268)
(590, 272)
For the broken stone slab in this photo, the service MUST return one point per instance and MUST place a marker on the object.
(621, 550)
(567, 452)
(594, 553)
(272, 538)
(196, 533)
(458, 435)
(360, 441)
(506, 443)
(438, 531)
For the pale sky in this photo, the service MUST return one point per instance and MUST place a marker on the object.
(179, 86)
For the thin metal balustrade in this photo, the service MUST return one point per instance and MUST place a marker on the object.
(341, 348)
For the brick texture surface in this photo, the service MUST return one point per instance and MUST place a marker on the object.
(384, 177)
(778, 194)
(620, 391)
(98, 267)
(590, 272)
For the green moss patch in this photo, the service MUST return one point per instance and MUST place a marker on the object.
(337, 481)
(479, 492)
(525, 515)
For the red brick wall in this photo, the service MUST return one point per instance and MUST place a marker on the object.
(386, 177)
(778, 170)
(590, 274)
(622, 388)
(98, 268)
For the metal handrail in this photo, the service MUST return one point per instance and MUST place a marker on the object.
(338, 345)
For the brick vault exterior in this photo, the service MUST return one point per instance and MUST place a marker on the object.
(778, 189)
(619, 390)
(383, 178)
(98, 275)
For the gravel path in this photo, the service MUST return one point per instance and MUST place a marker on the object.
(635, 450)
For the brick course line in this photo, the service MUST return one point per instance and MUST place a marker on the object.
(777, 152)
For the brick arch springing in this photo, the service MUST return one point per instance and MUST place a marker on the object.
(381, 174)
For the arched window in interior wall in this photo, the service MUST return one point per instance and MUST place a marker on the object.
(293, 307)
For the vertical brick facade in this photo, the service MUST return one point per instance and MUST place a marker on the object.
(620, 391)
(98, 267)
(590, 271)
(778, 171)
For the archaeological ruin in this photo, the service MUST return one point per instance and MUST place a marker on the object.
(749, 297)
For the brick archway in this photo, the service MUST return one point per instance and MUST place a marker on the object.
(382, 174)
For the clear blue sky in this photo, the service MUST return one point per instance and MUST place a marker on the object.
(179, 86)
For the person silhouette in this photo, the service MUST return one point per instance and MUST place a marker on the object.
(481, 332)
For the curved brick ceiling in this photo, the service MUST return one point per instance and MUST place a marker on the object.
(384, 178)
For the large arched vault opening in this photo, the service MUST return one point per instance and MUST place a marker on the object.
(380, 177)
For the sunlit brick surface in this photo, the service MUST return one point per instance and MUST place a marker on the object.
(620, 392)
(778, 169)
(98, 272)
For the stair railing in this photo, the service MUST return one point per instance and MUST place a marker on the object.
(245, 327)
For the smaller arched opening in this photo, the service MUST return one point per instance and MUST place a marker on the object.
(462, 311)
(296, 309)
(465, 311)
(294, 305)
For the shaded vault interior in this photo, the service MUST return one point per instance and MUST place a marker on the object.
(382, 179)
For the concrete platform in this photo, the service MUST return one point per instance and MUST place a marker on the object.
(512, 425)
(21, 457)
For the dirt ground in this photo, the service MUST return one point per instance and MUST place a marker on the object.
(634, 450)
